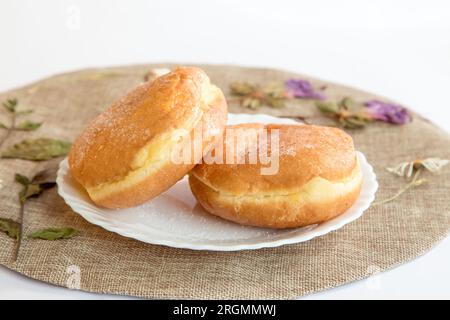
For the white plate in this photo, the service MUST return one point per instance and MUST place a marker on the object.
(175, 219)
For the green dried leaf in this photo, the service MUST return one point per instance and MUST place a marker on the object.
(47, 176)
(22, 112)
(242, 88)
(354, 123)
(346, 112)
(10, 105)
(349, 104)
(251, 103)
(22, 179)
(37, 149)
(32, 190)
(10, 227)
(28, 126)
(275, 90)
(41, 181)
(329, 107)
(254, 96)
(275, 102)
(3, 126)
(54, 234)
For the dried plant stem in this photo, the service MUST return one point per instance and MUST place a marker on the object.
(414, 183)
(19, 240)
(9, 130)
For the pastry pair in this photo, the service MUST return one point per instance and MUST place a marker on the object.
(126, 157)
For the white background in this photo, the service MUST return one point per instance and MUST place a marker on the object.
(399, 49)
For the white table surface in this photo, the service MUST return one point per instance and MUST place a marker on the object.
(398, 49)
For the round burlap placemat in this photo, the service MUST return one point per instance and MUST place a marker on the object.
(386, 236)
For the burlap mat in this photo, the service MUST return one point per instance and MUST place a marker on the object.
(386, 235)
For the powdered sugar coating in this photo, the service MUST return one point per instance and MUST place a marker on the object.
(305, 152)
(105, 151)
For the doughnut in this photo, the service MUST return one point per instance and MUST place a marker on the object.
(317, 176)
(125, 155)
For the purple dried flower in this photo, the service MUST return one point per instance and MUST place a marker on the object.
(299, 88)
(387, 112)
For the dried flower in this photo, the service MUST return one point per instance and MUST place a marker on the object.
(299, 88)
(387, 112)
(155, 73)
(415, 182)
(346, 112)
(273, 95)
(352, 115)
(412, 169)
(253, 96)
(407, 169)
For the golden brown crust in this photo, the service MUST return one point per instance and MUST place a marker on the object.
(279, 212)
(305, 151)
(144, 190)
(319, 178)
(114, 146)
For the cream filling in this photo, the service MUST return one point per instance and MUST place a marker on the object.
(314, 191)
(154, 155)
